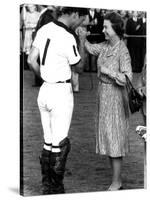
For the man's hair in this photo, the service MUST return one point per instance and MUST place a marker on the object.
(117, 23)
(70, 10)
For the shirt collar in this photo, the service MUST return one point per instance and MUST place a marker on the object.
(67, 29)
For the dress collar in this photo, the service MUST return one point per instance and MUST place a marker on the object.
(112, 50)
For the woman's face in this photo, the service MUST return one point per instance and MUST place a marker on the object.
(108, 30)
(135, 14)
(123, 13)
(32, 8)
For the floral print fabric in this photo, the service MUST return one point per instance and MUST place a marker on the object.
(111, 120)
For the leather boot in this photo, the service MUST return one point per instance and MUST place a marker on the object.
(58, 162)
(45, 171)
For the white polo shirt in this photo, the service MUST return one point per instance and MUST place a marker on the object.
(58, 50)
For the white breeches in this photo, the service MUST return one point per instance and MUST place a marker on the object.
(55, 103)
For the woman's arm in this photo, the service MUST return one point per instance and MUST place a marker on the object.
(109, 72)
(124, 68)
(93, 49)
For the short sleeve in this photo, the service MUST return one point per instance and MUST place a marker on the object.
(71, 51)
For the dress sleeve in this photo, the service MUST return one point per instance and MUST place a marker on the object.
(93, 49)
(124, 66)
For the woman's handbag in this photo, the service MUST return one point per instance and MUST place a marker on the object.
(135, 100)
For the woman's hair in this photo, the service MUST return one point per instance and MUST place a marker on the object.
(117, 23)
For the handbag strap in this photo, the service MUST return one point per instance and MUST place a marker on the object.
(129, 84)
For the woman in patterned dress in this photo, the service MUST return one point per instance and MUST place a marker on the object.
(31, 17)
(113, 115)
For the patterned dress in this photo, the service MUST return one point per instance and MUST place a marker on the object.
(30, 22)
(112, 118)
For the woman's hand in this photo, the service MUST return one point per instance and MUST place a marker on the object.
(108, 72)
(83, 34)
(104, 70)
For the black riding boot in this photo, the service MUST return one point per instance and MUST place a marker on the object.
(45, 171)
(58, 162)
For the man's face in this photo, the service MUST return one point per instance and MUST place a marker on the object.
(86, 20)
(77, 20)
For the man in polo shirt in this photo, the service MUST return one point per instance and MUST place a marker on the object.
(56, 45)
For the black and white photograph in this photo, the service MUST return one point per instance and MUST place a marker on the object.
(83, 99)
(82, 80)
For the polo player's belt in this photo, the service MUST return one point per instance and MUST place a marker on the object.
(67, 81)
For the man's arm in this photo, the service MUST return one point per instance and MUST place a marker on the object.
(78, 67)
(32, 61)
